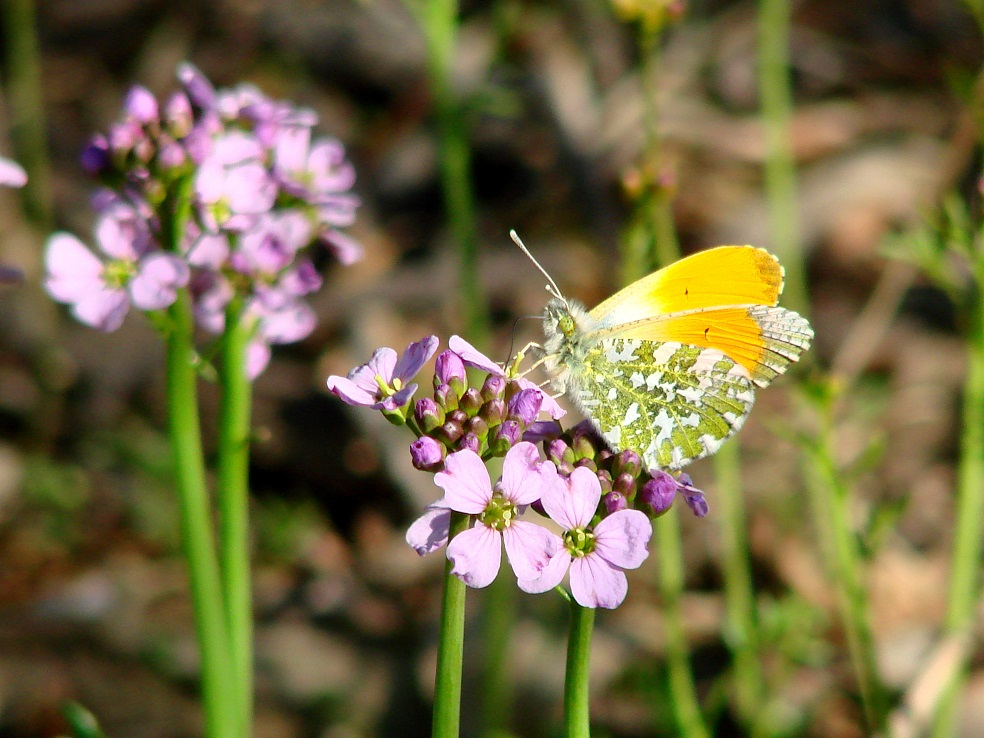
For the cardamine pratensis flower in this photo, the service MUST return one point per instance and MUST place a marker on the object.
(262, 189)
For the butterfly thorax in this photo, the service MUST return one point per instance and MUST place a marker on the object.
(569, 333)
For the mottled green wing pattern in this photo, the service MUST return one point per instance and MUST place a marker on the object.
(672, 403)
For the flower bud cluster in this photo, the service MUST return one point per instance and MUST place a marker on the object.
(488, 419)
(625, 483)
(219, 191)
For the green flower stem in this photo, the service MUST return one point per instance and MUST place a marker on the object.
(576, 682)
(832, 500)
(775, 90)
(450, 647)
(498, 619)
(27, 119)
(965, 575)
(686, 708)
(439, 19)
(196, 525)
(233, 501)
(741, 633)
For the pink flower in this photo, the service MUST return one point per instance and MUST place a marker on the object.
(595, 555)
(383, 382)
(12, 174)
(100, 290)
(477, 552)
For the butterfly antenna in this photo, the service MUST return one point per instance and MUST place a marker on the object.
(552, 287)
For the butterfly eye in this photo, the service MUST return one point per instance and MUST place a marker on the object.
(565, 323)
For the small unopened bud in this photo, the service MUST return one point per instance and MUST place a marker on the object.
(446, 398)
(561, 454)
(615, 501)
(471, 401)
(477, 426)
(525, 406)
(606, 481)
(448, 433)
(625, 484)
(494, 411)
(697, 503)
(507, 435)
(450, 370)
(427, 454)
(178, 116)
(428, 414)
(587, 464)
(470, 442)
(627, 462)
(658, 493)
(494, 388)
(141, 105)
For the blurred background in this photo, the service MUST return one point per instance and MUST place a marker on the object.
(93, 598)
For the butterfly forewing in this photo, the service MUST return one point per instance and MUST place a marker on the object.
(672, 403)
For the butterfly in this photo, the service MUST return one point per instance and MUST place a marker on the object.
(668, 366)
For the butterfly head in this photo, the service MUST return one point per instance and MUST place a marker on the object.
(567, 328)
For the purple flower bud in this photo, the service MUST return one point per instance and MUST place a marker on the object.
(494, 411)
(446, 398)
(627, 462)
(525, 406)
(471, 401)
(450, 370)
(178, 116)
(458, 416)
(561, 454)
(95, 156)
(470, 442)
(615, 501)
(427, 454)
(429, 416)
(624, 484)
(586, 463)
(199, 89)
(584, 442)
(478, 427)
(448, 433)
(697, 503)
(658, 492)
(171, 154)
(494, 388)
(605, 479)
(507, 435)
(141, 105)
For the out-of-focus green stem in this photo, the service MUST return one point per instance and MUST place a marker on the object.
(196, 525)
(450, 647)
(577, 712)
(965, 574)
(832, 499)
(741, 633)
(686, 708)
(233, 500)
(439, 19)
(498, 618)
(776, 98)
(24, 87)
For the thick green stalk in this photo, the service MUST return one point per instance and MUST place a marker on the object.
(577, 691)
(233, 501)
(450, 647)
(832, 499)
(741, 633)
(498, 619)
(776, 98)
(686, 707)
(196, 525)
(440, 24)
(965, 575)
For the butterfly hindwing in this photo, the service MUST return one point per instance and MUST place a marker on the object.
(673, 403)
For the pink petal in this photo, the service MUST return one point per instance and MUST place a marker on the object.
(12, 174)
(413, 359)
(622, 538)
(430, 531)
(476, 554)
(103, 310)
(160, 277)
(289, 324)
(551, 575)
(573, 503)
(521, 481)
(529, 548)
(473, 357)
(596, 583)
(345, 248)
(465, 482)
(349, 392)
(382, 363)
(257, 358)
(550, 405)
(73, 271)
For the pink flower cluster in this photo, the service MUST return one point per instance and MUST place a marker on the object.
(602, 501)
(219, 191)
